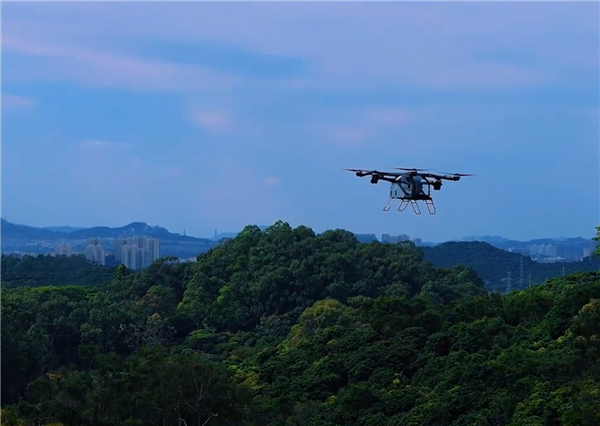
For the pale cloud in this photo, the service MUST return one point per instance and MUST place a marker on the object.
(593, 115)
(388, 117)
(175, 171)
(214, 121)
(95, 144)
(105, 147)
(137, 162)
(91, 66)
(165, 172)
(10, 102)
(354, 129)
(272, 181)
(343, 135)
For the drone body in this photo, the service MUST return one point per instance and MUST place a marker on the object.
(410, 186)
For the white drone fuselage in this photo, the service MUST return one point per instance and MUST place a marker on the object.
(409, 187)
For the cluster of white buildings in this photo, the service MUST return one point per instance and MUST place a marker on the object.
(137, 252)
(542, 250)
(133, 252)
(63, 250)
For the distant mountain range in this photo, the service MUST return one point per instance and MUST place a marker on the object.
(65, 229)
(13, 231)
(506, 244)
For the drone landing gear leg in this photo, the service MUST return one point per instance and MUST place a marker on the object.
(415, 207)
(388, 206)
(403, 205)
(430, 207)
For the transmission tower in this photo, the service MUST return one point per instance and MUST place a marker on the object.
(508, 282)
(563, 271)
(529, 278)
(521, 280)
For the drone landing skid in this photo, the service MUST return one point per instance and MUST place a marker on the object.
(404, 204)
(389, 205)
(415, 207)
(430, 207)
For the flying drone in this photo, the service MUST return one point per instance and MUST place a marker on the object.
(410, 186)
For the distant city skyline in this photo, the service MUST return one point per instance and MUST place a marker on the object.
(208, 119)
(138, 251)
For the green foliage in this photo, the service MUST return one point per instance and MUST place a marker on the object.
(284, 327)
(597, 238)
(44, 270)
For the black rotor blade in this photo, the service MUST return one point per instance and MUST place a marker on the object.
(411, 170)
(458, 174)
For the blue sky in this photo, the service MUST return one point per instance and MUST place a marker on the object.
(206, 115)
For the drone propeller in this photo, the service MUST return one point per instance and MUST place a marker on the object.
(357, 170)
(459, 174)
(411, 170)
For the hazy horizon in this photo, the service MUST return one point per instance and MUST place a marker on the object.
(233, 231)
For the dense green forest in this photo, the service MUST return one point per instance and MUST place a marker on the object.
(489, 263)
(492, 264)
(46, 270)
(283, 327)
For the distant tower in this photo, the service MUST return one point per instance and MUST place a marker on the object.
(521, 280)
(508, 282)
(529, 278)
(563, 271)
(184, 232)
(215, 233)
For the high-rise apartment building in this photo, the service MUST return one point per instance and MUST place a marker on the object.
(94, 251)
(152, 245)
(118, 247)
(133, 257)
(137, 252)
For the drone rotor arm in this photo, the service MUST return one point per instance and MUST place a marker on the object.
(360, 172)
(450, 176)
(458, 174)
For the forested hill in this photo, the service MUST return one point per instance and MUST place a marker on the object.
(492, 264)
(284, 327)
